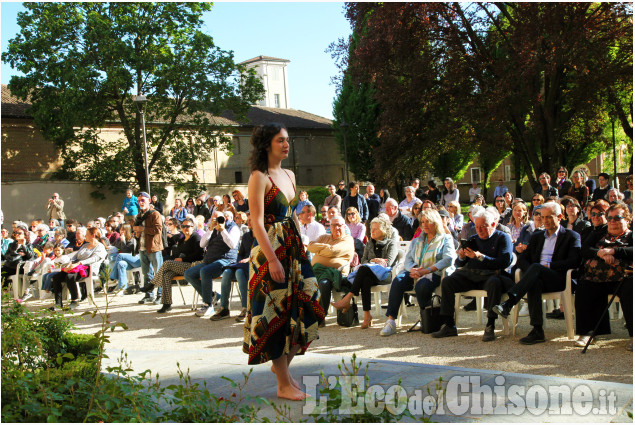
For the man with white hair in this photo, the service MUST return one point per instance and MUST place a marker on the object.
(403, 224)
(481, 265)
(332, 255)
(550, 253)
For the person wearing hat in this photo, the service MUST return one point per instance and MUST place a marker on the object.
(147, 228)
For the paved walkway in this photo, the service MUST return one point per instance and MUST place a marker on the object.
(471, 395)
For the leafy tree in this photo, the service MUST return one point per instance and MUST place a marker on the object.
(83, 62)
(533, 79)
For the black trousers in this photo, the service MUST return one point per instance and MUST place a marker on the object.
(463, 280)
(70, 279)
(591, 299)
(364, 280)
(536, 280)
(326, 287)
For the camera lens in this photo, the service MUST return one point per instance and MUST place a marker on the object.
(220, 219)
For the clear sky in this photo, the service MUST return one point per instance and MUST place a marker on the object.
(299, 32)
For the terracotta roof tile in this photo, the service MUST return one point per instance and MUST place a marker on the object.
(257, 115)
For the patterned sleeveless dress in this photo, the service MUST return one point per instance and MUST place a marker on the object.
(280, 315)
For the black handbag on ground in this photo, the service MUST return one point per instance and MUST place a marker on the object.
(350, 318)
(431, 316)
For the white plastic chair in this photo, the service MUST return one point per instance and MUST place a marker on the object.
(564, 296)
(378, 289)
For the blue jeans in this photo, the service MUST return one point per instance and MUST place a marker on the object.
(47, 283)
(226, 284)
(402, 283)
(201, 276)
(123, 263)
(149, 263)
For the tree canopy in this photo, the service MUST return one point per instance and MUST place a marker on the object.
(539, 80)
(83, 65)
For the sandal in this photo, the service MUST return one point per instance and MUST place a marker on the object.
(367, 325)
(242, 315)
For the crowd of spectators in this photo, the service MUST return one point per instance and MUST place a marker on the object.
(353, 243)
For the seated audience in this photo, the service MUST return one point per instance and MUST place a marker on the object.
(563, 184)
(303, 197)
(42, 236)
(545, 189)
(241, 222)
(93, 252)
(381, 251)
(607, 262)
(544, 264)
(189, 205)
(125, 259)
(187, 253)
(6, 240)
(178, 211)
(599, 225)
(403, 224)
(332, 255)
(174, 235)
(578, 189)
(518, 220)
(324, 215)
(428, 256)
(602, 191)
(354, 223)
(454, 208)
(405, 206)
(528, 229)
(221, 243)
(573, 218)
(156, 204)
(226, 205)
(473, 192)
(240, 203)
(481, 265)
(240, 272)
(310, 230)
(201, 209)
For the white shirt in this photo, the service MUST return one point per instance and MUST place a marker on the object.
(473, 192)
(549, 247)
(312, 231)
(231, 238)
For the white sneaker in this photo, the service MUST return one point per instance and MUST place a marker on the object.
(389, 329)
(26, 296)
(524, 310)
(209, 312)
(205, 310)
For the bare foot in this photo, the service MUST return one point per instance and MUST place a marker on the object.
(293, 381)
(342, 304)
(291, 393)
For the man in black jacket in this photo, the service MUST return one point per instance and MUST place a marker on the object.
(545, 188)
(403, 224)
(549, 255)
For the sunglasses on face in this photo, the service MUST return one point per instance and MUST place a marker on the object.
(500, 201)
(600, 214)
(535, 200)
(186, 227)
(615, 218)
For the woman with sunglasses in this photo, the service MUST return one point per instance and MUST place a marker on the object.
(240, 203)
(563, 184)
(607, 263)
(599, 225)
(536, 199)
(186, 253)
(18, 252)
(189, 205)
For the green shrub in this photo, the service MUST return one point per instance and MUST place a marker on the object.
(317, 195)
(78, 344)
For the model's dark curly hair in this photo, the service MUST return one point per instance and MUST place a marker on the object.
(261, 139)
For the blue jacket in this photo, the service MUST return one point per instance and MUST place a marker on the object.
(132, 204)
(497, 252)
(361, 205)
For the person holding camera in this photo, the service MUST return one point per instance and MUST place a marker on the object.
(55, 209)
(221, 243)
(482, 261)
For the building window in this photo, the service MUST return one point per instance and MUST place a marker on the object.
(275, 73)
(236, 143)
(309, 176)
(238, 176)
(276, 100)
(476, 175)
(508, 173)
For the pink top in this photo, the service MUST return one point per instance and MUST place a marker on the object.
(358, 230)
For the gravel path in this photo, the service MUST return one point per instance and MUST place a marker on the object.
(607, 361)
